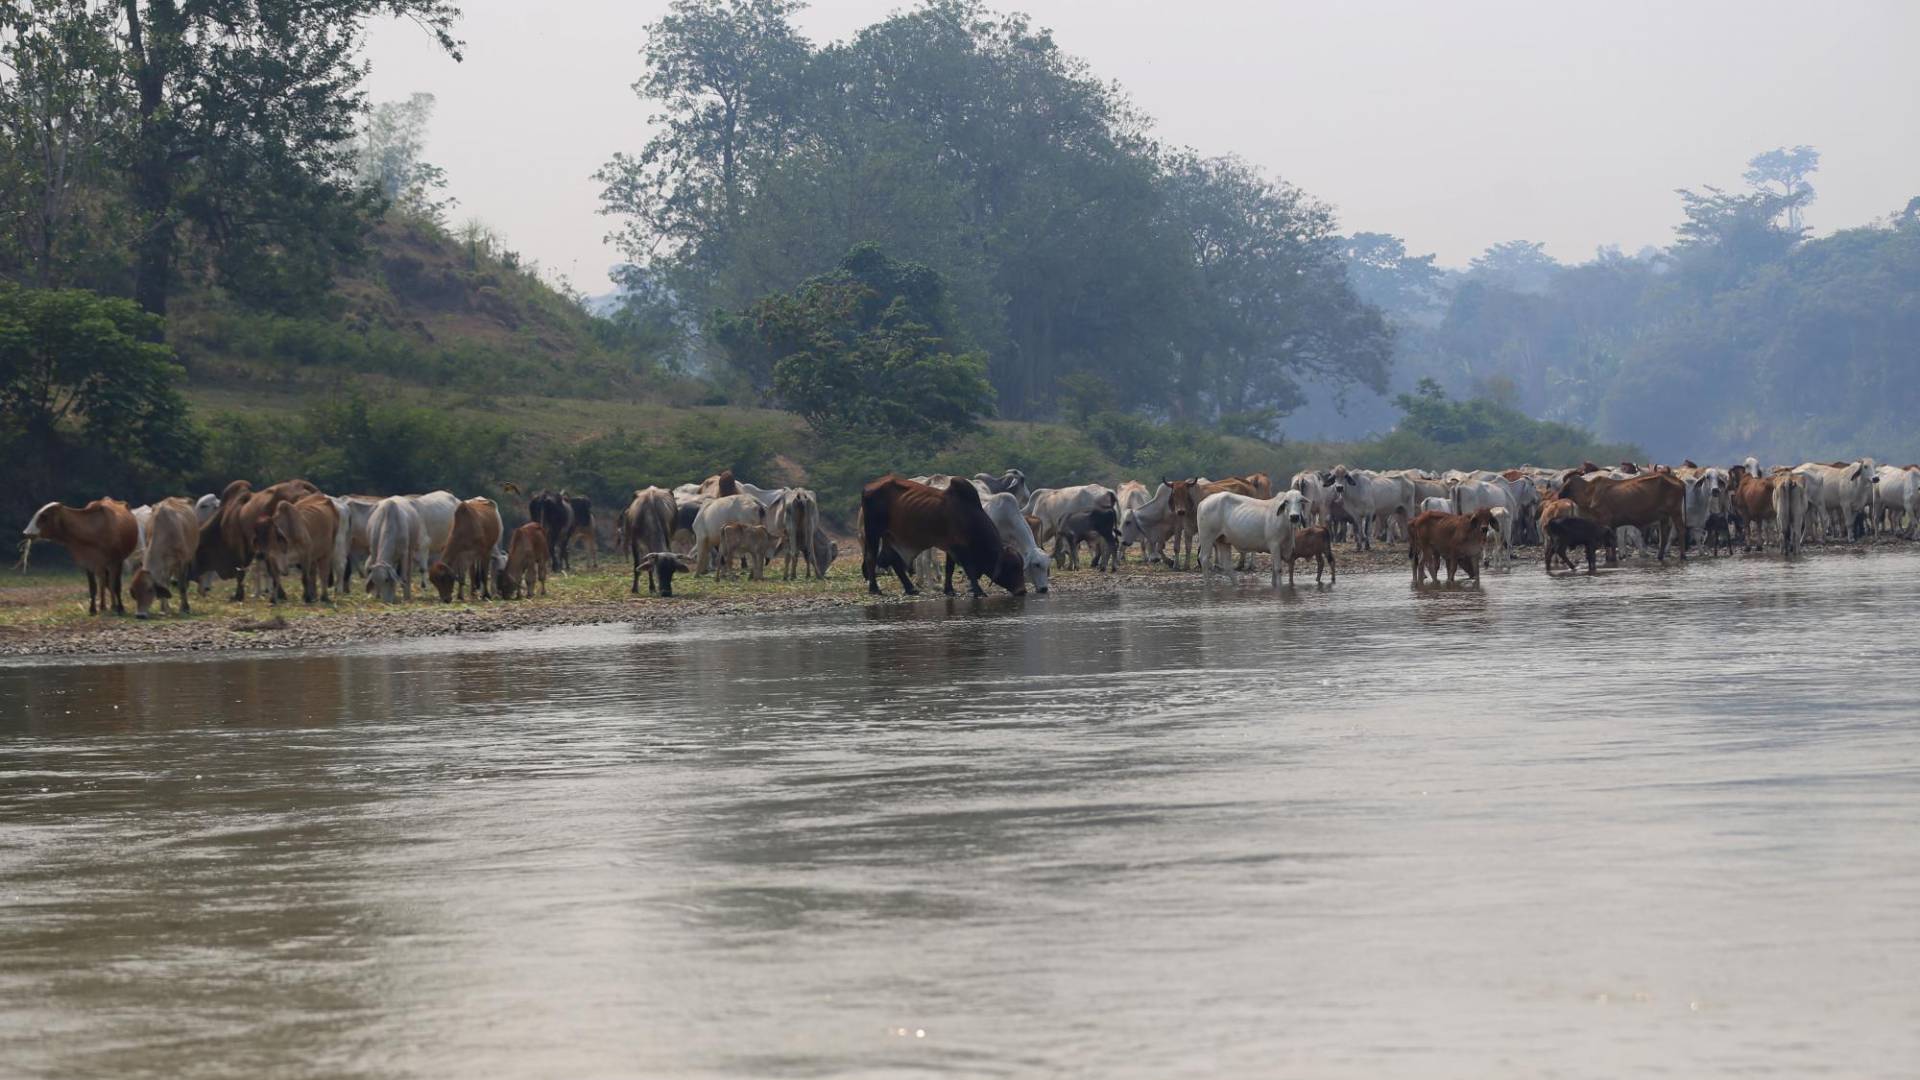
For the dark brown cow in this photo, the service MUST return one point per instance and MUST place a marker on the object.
(1183, 500)
(1316, 543)
(1645, 501)
(1456, 538)
(99, 536)
(1568, 532)
(901, 518)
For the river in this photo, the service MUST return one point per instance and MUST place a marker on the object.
(1663, 821)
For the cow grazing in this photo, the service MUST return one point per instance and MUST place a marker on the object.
(98, 536)
(242, 531)
(752, 544)
(647, 526)
(1645, 501)
(1016, 532)
(1226, 521)
(527, 562)
(395, 537)
(303, 534)
(1567, 532)
(173, 532)
(663, 565)
(1099, 529)
(900, 519)
(1313, 542)
(467, 558)
(1458, 539)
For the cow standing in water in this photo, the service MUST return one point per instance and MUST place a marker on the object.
(900, 519)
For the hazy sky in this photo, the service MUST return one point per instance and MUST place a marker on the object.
(1455, 125)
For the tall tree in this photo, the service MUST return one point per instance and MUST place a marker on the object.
(1788, 169)
(392, 161)
(243, 120)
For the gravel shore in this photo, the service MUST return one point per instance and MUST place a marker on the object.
(44, 614)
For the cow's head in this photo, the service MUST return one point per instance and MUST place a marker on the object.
(1292, 508)
(1179, 497)
(382, 582)
(1010, 571)
(443, 579)
(145, 591)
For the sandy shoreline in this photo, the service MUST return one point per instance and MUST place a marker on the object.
(46, 618)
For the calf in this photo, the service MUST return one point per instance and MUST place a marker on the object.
(173, 531)
(663, 565)
(99, 536)
(1096, 528)
(1316, 543)
(754, 542)
(1457, 538)
(1567, 533)
(1551, 511)
(527, 560)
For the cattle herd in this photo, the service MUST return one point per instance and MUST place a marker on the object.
(991, 526)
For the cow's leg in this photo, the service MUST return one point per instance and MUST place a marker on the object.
(93, 593)
(113, 583)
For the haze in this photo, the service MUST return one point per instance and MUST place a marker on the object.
(1454, 126)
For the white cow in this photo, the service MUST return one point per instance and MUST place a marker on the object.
(1496, 494)
(1894, 492)
(1705, 496)
(796, 517)
(142, 516)
(1317, 492)
(396, 536)
(1839, 494)
(1053, 506)
(1004, 509)
(1435, 502)
(767, 496)
(1132, 494)
(1225, 521)
(1373, 500)
(717, 514)
(436, 516)
(1792, 505)
(1151, 525)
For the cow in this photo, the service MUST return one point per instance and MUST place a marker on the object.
(1004, 509)
(1551, 511)
(1150, 524)
(1642, 501)
(98, 536)
(582, 509)
(1308, 483)
(663, 565)
(1895, 492)
(1375, 500)
(527, 561)
(553, 512)
(1705, 497)
(899, 519)
(141, 515)
(647, 526)
(796, 517)
(1130, 496)
(1838, 494)
(1567, 532)
(303, 533)
(350, 548)
(686, 510)
(1261, 483)
(1012, 482)
(1751, 501)
(1314, 542)
(239, 532)
(1054, 505)
(395, 536)
(1792, 505)
(1099, 528)
(1436, 503)
(717, 514)
(1227, 521)
(436, 510)
(173, 532)
(1457, 538)
(1184, 498)
(754, 543)
(467, 558)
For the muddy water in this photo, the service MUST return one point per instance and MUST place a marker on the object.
(1661, 822)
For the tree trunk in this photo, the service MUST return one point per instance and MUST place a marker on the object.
(152, 167)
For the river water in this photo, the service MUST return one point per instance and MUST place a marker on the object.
(1661, 822)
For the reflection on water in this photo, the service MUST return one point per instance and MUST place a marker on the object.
(1663, 819)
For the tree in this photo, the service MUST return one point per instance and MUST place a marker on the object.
(1788, 168)
(864, 354)
(242, 123)
(1522, 266)
(1384, 275)
(391, 163)
(88, 402)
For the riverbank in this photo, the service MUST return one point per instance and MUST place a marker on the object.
(43, 613)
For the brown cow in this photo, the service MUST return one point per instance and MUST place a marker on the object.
(99, 536)
(1752, 500)
(1316, 543)
(1644, 502)
(231, 543)
(1551, 511)
(172, 534)
(1457, 538)
(899, 519)
(751, 542)
(526, 562)
(1184, 498)
(467, 558)
(302, 533)
(1261, 483)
